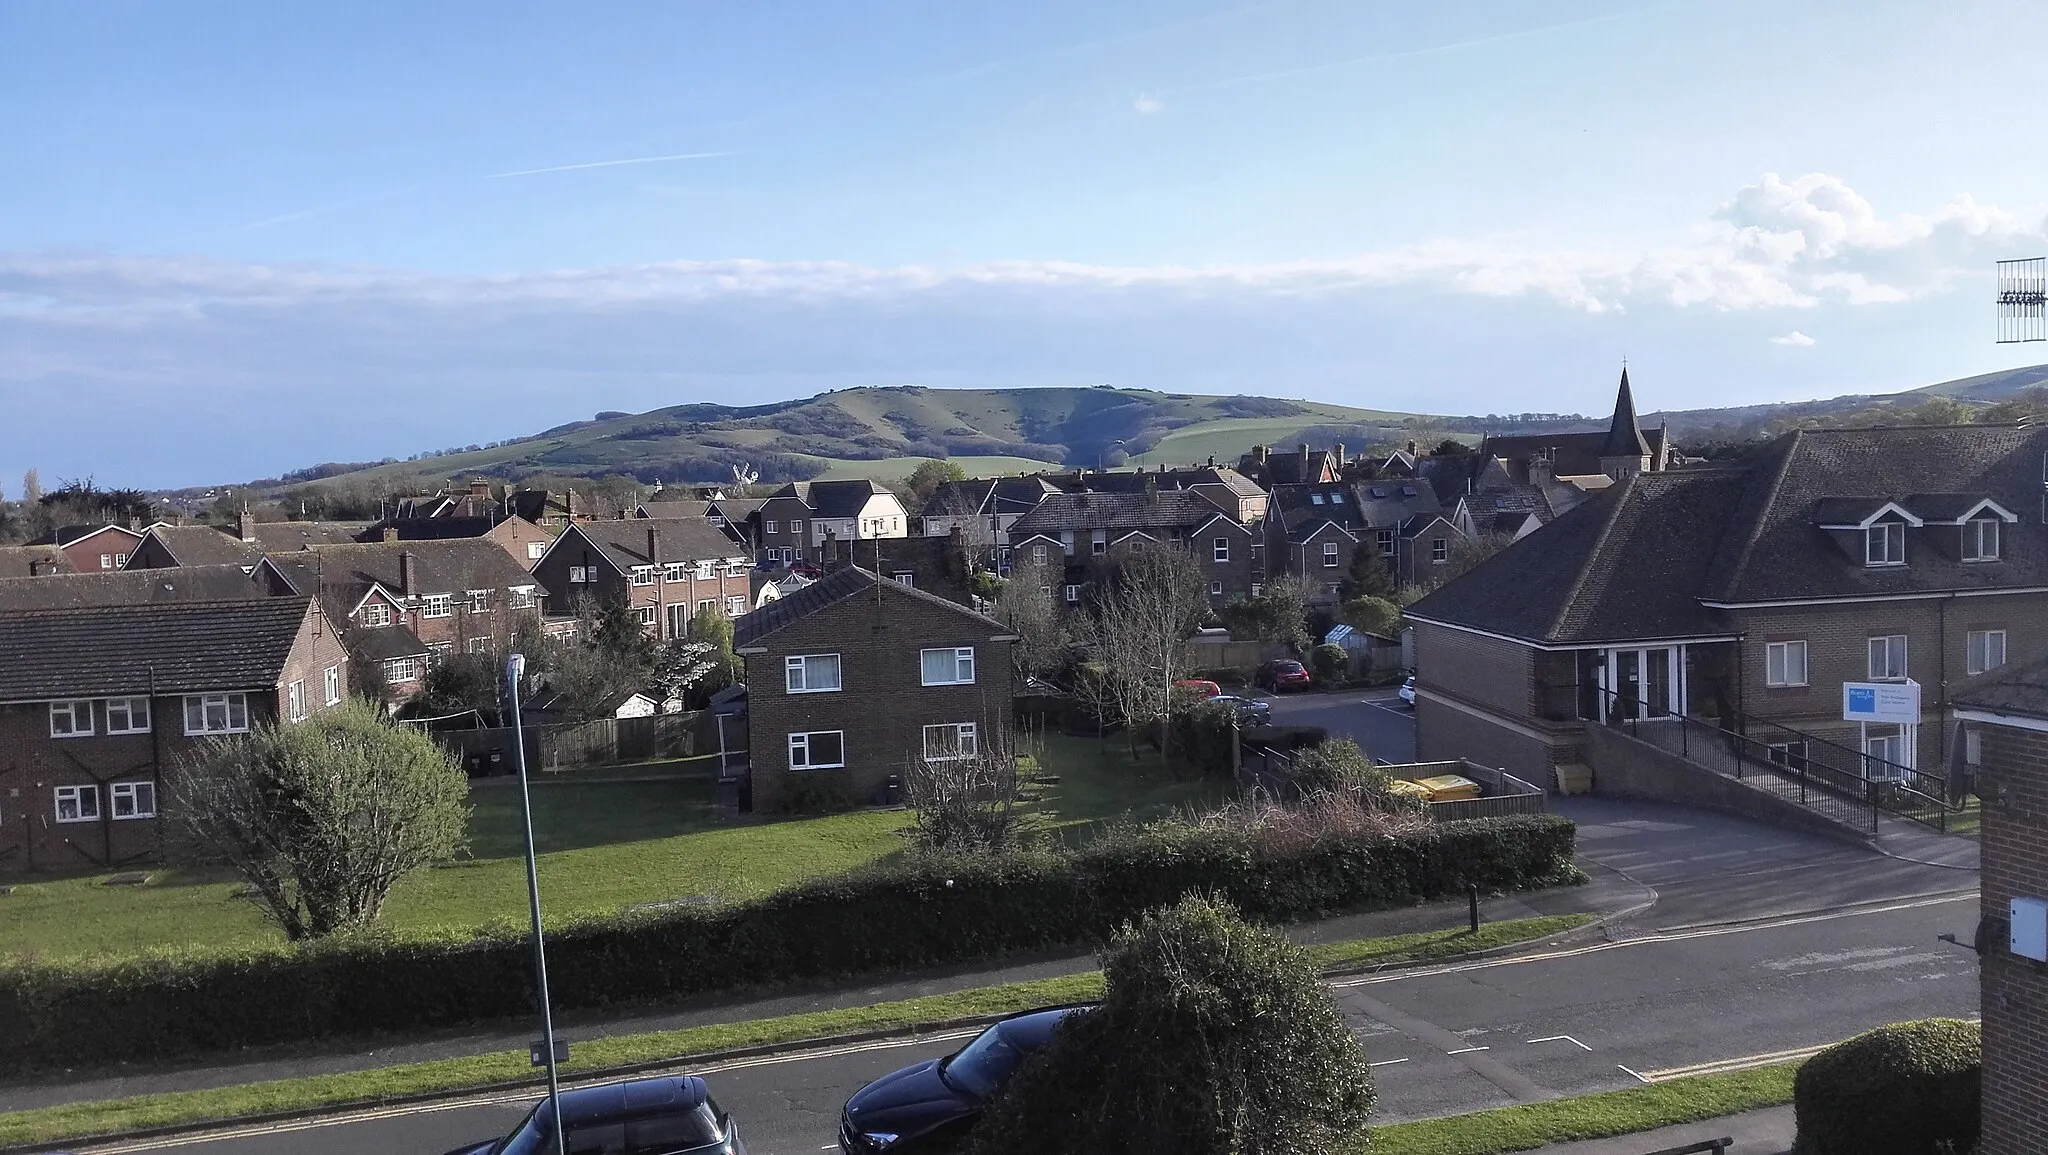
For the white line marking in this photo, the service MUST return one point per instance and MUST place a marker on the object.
(1467, 1050)
(1639, 1078)
(1560, 1039)
(1386, 1062)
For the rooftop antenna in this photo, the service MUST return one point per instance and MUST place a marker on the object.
(2023, 300)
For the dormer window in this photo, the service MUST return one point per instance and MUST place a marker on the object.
(1980, 539)
(1885, 544)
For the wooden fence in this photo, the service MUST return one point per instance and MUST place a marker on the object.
(558, 746)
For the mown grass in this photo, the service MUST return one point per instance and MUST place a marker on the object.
(609, 838)
(74, 1121)
(1528, 1126)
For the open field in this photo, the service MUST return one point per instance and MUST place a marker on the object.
(631, 836)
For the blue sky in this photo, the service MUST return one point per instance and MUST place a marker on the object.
(238, 238)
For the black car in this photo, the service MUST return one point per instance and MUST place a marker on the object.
(670, 1115)
(1250, 711)
(930, 1106)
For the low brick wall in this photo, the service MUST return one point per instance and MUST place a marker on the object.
(1629, 768)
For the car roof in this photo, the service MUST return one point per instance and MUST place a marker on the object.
(613, 1102)
(1031, 1029)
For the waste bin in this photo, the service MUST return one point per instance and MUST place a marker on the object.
(892, 790)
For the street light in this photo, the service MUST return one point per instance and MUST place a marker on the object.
(515, 667)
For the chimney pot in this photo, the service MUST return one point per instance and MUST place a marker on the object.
(1259, 453)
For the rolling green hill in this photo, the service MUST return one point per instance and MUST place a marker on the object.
(884, 432)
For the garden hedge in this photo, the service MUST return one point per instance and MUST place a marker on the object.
(1910, 1088)
(919, 911)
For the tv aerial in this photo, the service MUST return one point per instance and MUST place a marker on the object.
(2023, 300)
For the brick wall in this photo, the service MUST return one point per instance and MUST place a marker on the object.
(882, 705)
(2014, 990)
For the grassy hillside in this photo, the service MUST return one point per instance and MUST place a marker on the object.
(884, 432)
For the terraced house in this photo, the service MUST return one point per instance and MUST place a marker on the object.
(1822, 600)
(98, 702)
(793, 524)
(1315, 530)
(1067, 531)
(666, 569)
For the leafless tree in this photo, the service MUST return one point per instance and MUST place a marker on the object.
(321, 818)
(1026, 605)
(1149, 600)
(964, 792)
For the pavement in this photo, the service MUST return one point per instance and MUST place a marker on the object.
(1766, 1132)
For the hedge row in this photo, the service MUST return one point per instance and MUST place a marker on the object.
(918, 912)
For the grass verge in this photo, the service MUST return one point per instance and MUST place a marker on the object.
(1531, 1125)
(80, 1120)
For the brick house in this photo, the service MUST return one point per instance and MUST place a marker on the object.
(1314, 531)
(97, 547)
(1226, 488)
(2004, 722)
(524, 541)
(793, 523)
(1750, 597)
(1305, 466)
(402, 604)
(1067, 531)
(244, 543)
(666, 569)
(938, 565)
(853, 675)
(98, 704)
(983, 510)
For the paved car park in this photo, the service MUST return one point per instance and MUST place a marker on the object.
(1377, 719)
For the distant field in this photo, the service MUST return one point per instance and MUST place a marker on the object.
(891, 468)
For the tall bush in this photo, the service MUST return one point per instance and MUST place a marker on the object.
(1214, 1037)
(1911, 1088)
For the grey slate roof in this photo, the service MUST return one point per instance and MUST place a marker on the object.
(16, 560)
(386, 642)
(205, 583)
(1135, 481)
(836, 587)
(988, 495)
(206, 545)
(833, 498)
(2020, 688)
(167, 648)
(1624, 565)
(1079, 511)
(624, 542)
(669, 509)
(343, 573)
(429, 528)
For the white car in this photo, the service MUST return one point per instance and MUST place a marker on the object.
(1408, 691)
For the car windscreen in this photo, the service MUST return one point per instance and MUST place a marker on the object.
(982, 1067)
(677, 1132)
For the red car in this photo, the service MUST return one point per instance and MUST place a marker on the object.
(1283, 674)
(1200, 687)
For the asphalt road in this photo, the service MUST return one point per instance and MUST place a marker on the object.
(1448, 1039)
(1377, 719)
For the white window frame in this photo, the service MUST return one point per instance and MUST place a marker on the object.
(140, 797)
(477, 645)
(1897, 656)
(79, 797)
(1384, 538)
(405, 669)
(522, 598)
(800, 740)
(130, 709)
(1439, 550)
(375, 615)
(1885, 753)
(106, 561)
(330, 685)
(769, 527)
(1329, 555)
(229, 704)
(796, 674)
(1073, 593)
(1778, 660)
(904, 578)
(1983, 650)
(735, 605)
(479, 601)
(1878, 543)
(675, 571)
(1981, 539)
(962, 664)
(796, 525)
(644, 615)
(295, 700)
(436, 606)
(1220, 550)
(956, 740)
(579, 575)
(1215, 589)
(71, 711)
(534, 550)
(1038, 553)
(642, 575)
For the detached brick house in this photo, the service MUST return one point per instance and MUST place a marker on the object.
(666, 569)
(854, 675)
(1067, 531)
(97, 547)
(1749, 597)
(1315, 530)
(792, 524)
(2004, 723)
(98, 704)
(401, 605)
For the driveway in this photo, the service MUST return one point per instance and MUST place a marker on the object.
(1377, 719)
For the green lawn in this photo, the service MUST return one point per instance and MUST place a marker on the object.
(610, 837)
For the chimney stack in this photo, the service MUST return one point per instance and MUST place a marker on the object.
(1338, 449)
(1259, 453)
(1411, 449)
(35, 566)
(390, 534)
(245, 524)
(479, 487)
(653, 546)
(1212, 461)
(405, 573)
(135, 522)
(1304, 454)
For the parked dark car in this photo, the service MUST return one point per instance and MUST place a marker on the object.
(1282, 674)
(1250, 711)
(670, 1115)
(930, 1106)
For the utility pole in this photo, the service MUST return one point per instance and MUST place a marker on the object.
(515, 668)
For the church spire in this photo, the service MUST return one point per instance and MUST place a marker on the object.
(1624, 433)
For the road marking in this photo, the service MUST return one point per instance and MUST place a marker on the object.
(1467, 1050)
(1725, 1066)
(1560, 1039)
(1386, 1062)
(1648, 939)
(288, 1126)
(1638, 1078)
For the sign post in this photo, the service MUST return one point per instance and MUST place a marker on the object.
(1885, 704)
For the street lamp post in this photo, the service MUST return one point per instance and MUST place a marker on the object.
(515, 667)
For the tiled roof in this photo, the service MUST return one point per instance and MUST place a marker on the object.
(1135, 481)
(670, 509)
(165, 648)
(278, 536)
(1624, 565)
(1078, 511)
(736, 508)
(1355, 506)
(343, 573)
(836, 587)
(1779, 553)
(386, 642)
(833, 498)
(204, 545)
(203, 583)
(16, 560)
(2020, 688)
(680, 539)
(988, 495)
(429, 528)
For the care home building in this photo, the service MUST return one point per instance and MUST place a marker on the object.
(99, 702)
(1890, 562)
(853, 676)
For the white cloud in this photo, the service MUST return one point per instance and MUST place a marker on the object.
(1149, 105)
(1795, 338)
